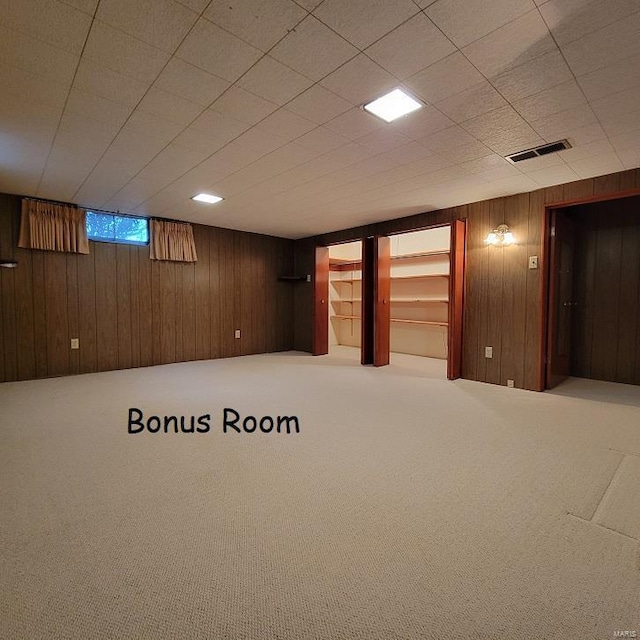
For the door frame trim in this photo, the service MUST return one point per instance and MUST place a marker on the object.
(544, 264)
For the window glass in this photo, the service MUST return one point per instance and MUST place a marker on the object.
(110, 227)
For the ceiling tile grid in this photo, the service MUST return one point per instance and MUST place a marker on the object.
(138, 105)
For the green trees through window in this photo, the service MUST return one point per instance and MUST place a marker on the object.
(110, 227)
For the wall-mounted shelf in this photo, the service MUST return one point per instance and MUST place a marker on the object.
(420, 276)
(425, 322)
(418, 300)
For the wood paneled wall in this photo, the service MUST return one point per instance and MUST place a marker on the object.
(129, 311)
(503, 302)
(606, 323)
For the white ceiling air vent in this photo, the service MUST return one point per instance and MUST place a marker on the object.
(542, 150)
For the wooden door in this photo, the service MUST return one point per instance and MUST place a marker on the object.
(321, 303)
(376, 304)
(561, 303)
(456, 298)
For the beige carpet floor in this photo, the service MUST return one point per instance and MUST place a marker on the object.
(407, 506)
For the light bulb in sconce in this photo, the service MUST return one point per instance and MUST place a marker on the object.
(501, 236)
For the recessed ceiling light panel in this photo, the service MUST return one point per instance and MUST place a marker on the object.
(209, 198)
(393, 105)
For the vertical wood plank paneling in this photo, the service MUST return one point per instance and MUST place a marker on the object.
(130, 311)
(58, 345)
(39, 314)
(168, 312)
(145, 305)
(7, 298)
(215, 294)
(628, 360)
(533, 320)
(188, 313)
(24, 313)
(123, 301)
(156, 311)
(483, 227)
(496, 256)
(73, 307)
(202, 297)
(470, 346)
(87, 317)
(106, 305)
(134, 306)
(514, 292)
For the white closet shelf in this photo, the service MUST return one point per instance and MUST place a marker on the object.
(341, 317)
(421, 277)
(422, 254)
(425, 322)
(416, 300)
(346, 280)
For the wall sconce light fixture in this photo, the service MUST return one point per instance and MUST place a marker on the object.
(501, 236)
(8, 264)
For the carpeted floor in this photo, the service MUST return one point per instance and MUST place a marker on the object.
(407, 506)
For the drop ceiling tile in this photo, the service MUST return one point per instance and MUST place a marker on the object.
(423, 122)
(259, 22)
(274, 82)
(313, 49)
(362, 22)
(611, 79)
(550, 101)
(194, 84)
(532, 77)
(197, 5)
(260, 141)
(597, 165)
(454, 136)
(309, 5)
(243, 106)
(321, 140)
(465, 153)
(214, 50)
(162, 131)
(318, 105)
(169, 106)
(383, 139)
(621, 124)
(53, 22)
(22, 88)
(515, 43)
(191, 138)
(97, 79)
(95, 107)
(570, 20)
(584, 151)
(489, 124)
(360, 80)
(286, 125)
(37, 57)
(412, 46)
(445, 78)
(211, 124)
(585, 134)
(612, 43)
(472, 102)
(124, 54)
(513, 140)
(78, 125)
(88, 6)
(556, 126)
(354, 124)
(617, 104)
(161, 23)
(465, 21)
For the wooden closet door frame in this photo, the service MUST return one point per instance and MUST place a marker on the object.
(545, 307)
(457, 259)
(321, 303)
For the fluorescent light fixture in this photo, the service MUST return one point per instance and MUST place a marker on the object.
(393, 105)
(209, 198)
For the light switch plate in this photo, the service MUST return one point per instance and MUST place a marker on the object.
(75, 343)
(511, 384)
(533, 262)
(488, 352)
(237, 333)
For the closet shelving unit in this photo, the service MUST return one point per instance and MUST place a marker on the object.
(419, 303)
(345, 299)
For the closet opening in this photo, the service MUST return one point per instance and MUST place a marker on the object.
(593, 292)
(345, 300)
(420, 298)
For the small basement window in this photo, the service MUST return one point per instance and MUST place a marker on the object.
(111, 227)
